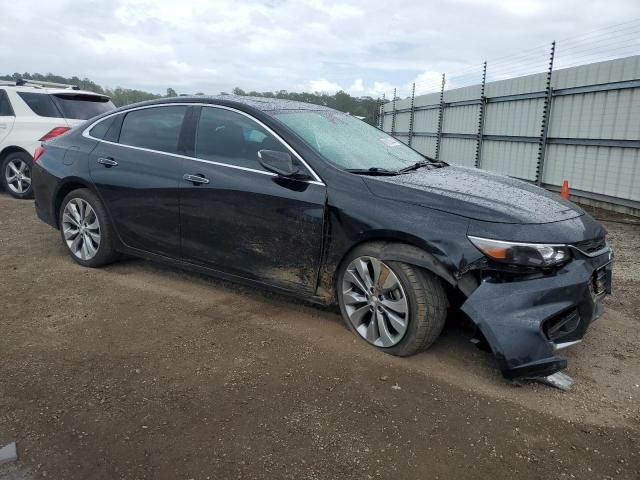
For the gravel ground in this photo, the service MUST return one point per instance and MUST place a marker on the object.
(140, 371)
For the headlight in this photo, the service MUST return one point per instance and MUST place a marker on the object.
(527, 254)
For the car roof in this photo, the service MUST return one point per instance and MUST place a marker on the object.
(259, 103)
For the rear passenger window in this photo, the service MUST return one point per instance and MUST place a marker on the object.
(41, 104)
(231, 138)
(155, 128)
(5, 105)
(105, 129)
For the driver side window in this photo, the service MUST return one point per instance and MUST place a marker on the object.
(231, 138)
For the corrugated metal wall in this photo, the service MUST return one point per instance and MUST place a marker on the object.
(593, 135)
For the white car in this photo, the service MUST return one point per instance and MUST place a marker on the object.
(32, 112)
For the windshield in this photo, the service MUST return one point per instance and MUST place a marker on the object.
(347, 142)
(82, 106)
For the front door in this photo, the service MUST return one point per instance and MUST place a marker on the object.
(138, 176)
(237, 217)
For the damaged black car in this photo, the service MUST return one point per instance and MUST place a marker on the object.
(316, 203)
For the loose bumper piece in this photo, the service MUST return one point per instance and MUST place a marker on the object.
(558, 380)
(8, 453)
(526, 322)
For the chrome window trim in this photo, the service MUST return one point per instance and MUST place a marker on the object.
(317, 180)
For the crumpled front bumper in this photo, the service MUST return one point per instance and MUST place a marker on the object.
(526, 322)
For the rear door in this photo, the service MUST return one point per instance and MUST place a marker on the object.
(137, 170)
(7, 116)
(241, 219)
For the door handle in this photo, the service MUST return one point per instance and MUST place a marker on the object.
(107, 162)
(195, 179)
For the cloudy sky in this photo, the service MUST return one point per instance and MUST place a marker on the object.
(365, 47)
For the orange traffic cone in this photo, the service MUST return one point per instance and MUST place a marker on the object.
(564, 191)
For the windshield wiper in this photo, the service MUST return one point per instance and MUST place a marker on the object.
(422, 163)
(371, 171)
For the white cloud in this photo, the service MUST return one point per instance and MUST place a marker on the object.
(324, 86)
(357, 87)
(344, 11)
(365, 47)
(427, 82)
(336, 10)
(380, 89)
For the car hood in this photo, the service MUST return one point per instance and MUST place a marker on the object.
(476, 194)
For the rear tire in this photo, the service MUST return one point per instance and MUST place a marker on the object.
(86, 230)
(15, 175)
(408, 317)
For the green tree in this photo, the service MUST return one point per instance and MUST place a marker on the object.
(366, 107)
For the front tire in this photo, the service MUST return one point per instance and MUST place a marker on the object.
(85, 229)
(394, 306)
(15, 175)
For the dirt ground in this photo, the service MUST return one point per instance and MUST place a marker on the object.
(140, 371)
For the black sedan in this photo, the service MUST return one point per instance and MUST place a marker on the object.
(316, 203)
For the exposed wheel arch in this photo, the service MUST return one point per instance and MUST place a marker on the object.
(392, 250)
(402, 252)
(399, 251)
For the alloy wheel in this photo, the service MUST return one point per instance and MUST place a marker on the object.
(81, 229)
(18, 176)
(375, 301)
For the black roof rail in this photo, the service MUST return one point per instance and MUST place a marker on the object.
(38, 83)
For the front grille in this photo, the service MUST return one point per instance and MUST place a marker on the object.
(591, 246)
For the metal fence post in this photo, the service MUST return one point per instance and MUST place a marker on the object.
(412, 112)
(483, 102)
(546, 112)
(381, 113)
(440, 118)
(393, 114)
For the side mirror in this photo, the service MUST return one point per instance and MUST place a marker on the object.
(280, 163)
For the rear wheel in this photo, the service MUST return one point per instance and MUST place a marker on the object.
(85, 229)
(16, 175)
(394, 306)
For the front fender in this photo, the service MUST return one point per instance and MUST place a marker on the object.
(399, 252)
